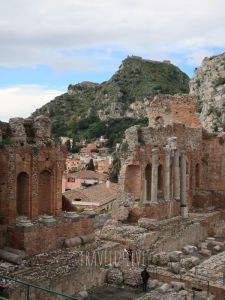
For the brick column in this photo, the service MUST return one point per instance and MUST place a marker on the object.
(176, 175)
(12, 183)
(166, 174)
(155, 165)
(183, 194)
(34, 184)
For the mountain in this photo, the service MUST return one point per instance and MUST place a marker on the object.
(208, 84)
(89, 110)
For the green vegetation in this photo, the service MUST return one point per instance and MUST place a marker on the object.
(90, 165)
(77, 114)
(116, 166)
(219, 81)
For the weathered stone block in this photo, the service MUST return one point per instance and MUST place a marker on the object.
(177, 286)
(175, 256)
(174, 267)
(115, 276)
(164, 288)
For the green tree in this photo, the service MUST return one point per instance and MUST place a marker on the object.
(116, 166)
(90, 165)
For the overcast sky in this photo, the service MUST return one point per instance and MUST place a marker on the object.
(47, 44)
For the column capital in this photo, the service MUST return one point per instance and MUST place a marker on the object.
(155, 150)
(167, 149)
(183, 153)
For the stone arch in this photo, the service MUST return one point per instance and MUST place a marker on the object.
(197, 175)
(44, 192)
(160, 181)
(133, 180)
(22, 197)
(148, 178)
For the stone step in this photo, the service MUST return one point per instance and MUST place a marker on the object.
(21, 253)
(10, 257)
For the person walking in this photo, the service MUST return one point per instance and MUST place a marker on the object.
(145, 277)
(130, 254)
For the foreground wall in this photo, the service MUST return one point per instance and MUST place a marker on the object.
(39, 237)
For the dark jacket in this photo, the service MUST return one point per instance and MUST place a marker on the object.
(145, 275)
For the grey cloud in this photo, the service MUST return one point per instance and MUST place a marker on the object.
(38, 32)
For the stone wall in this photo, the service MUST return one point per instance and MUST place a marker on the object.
(70, 284)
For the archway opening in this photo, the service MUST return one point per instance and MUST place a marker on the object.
(133, 180)
(160, 181)
(22, 199)
(44, 193)
(197, 176)
(159, 122)
(148, 178)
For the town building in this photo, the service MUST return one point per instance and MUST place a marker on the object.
(99, 197)
(83, 178)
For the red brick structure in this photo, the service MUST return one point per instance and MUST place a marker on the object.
(31, 170)
(174, 164)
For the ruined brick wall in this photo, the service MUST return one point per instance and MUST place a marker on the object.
(23, 164)
(187, 138)
(159, 211)
(47, 237)
(209, 198)
(139, 156)
(175, 117)
(213, 163)
(168, 109)
(23, 178)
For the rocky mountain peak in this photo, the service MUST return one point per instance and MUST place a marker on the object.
(208, 84)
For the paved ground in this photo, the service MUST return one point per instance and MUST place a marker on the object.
(114, 293)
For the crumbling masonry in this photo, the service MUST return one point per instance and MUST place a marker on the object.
(173, 165)
(31, 170)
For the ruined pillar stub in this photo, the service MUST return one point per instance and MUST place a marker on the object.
(183, 193)
(42, 129)
(166, 173)
(18, 130)
(172, 142)
(154, 183)
(176, 175)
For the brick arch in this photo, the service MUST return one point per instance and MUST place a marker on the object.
(133, 180)
(45, 192)
(148, 178)
(160, 181)
(197, 175)
(22, 196)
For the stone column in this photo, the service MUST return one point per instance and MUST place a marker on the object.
(176, 175)
(155, 165)
(166, 174)
(183, 193)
